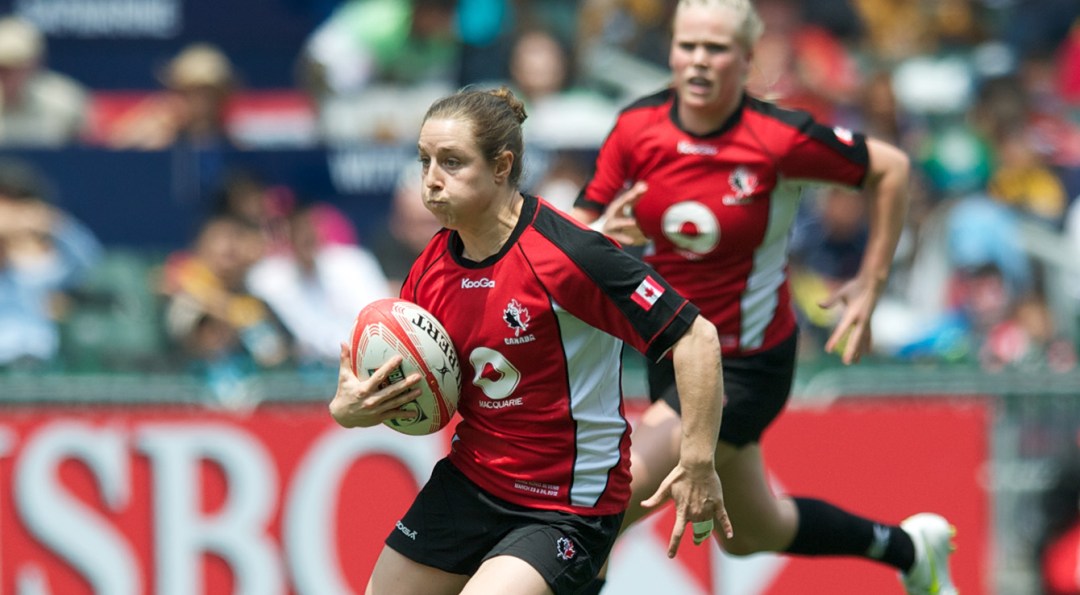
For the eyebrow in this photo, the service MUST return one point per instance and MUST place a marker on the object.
(443, 148)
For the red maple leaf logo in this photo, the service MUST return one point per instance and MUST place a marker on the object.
(516, 317)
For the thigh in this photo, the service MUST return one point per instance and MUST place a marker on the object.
(756, 390)
(451, 525)
(761, 520)
(654, 452)
(566, 551)
(394, 574)
(506, 574)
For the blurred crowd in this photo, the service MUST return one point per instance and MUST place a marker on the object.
(984, 95)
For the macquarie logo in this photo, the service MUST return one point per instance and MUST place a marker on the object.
(484, 282)
(689, 148)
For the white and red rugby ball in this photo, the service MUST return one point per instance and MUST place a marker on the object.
(393, 326)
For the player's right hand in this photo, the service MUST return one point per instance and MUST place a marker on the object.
(619, 222)
(365, 402)
(699, 501)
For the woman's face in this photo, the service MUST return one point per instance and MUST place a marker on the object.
(708, 62)
(459, 184)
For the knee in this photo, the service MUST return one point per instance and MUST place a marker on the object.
(742, 544)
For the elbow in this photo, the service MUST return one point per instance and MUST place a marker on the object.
(712, 339)
(705, 339)
(888, 161)
(707, 331)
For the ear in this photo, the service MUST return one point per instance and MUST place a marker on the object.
(503, 164)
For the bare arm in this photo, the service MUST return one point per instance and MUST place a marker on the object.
(694, 484)
(887, 188)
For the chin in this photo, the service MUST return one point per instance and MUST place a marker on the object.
(697, 101)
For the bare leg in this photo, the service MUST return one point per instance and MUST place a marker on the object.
(507, 574)
(395, 574)
(762, 522)
(654, 452)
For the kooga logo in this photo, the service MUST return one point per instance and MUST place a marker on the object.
(468, 283)
(689, 148)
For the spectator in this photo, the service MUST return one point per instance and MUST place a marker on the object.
(802, 66)
(247, 196)
(1072, 278)
(486, 30)
(409, 227)
(562, 113)
(43, 251)
(1034, 143)
(623, 45)
(318, 287)
(397, 55)
(896, 29)
(38, 107)
(827, 245)
(224, 330)
(1023, 180)
(986, 272)
(1028, 340)
(639, 28)
(191, 110)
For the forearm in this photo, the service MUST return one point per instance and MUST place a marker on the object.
(888, 189)
(700, 383)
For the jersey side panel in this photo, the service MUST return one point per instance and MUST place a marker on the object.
(601, 432)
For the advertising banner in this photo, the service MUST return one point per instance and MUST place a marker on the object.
(169, 500)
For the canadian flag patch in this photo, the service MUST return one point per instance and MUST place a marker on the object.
(844, 135)
(647, 293)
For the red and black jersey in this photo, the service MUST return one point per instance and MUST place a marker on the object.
(719, 207)
(539, 329)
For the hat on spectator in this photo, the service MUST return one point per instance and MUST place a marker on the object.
(20, 42)
(199, 65)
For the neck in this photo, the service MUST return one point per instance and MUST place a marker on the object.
(705, 121)
(490, 232)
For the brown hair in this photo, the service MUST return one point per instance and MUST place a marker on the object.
(496, 116)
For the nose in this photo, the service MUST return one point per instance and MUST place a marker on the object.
(430, 177)
(699, 56)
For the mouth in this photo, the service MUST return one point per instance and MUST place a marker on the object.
(698, 84)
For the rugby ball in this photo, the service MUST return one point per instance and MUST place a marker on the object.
(393, 326)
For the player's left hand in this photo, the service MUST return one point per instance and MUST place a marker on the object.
(699, 500)
(851, 339)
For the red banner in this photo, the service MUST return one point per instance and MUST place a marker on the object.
(168, 500)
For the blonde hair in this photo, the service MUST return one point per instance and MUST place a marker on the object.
(496, 116)
(750, 28)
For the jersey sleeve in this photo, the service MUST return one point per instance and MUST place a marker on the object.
(610, 176)
(818, 152)
(612, 290)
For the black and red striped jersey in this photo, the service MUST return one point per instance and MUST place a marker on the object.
(539, 329)
(719, 207)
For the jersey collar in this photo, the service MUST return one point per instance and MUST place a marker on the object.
(728, 124)
(528, 212)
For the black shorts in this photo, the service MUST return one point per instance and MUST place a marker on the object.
(455, 526)
(756, 389)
